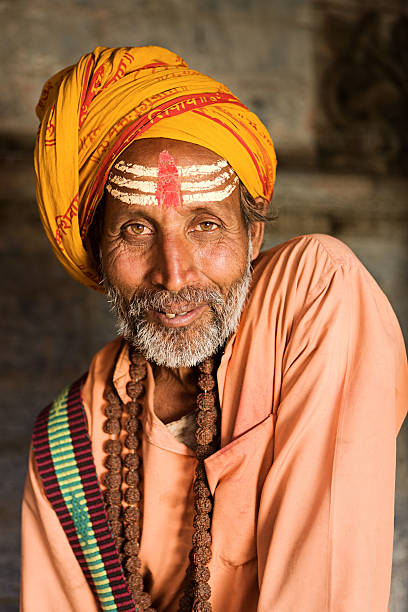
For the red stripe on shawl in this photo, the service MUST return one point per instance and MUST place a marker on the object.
(95, 502)
(41, 444)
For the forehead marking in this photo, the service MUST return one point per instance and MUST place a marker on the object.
(169, 180)
(168, 191)
(151, 199)
(150, 186)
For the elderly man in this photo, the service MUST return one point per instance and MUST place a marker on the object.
(234, 449)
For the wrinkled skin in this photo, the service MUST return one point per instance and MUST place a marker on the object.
(202, 245)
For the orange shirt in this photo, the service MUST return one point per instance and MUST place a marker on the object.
(313, 388)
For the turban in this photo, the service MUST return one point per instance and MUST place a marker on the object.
(91, 111)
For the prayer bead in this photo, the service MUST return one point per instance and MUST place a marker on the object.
(113, 447)
(116, 527)
(113, 462)
(203, 451)
(112, 497)
(132, 461)
(137, 372)
(206, 366)
(206, 382)
(132, 514)
(207, 417)
(201, 573)
(134, 389)
(113, 480)
(143, 600)
(133, 564)
(136, 583)
(202, 555)
(132, 495)
(133, 408)
(136, 358)
(205, 401)
(202, 521)
(132, 424)
(203, 504)
(203, 591)
(205, 435)
(131, 548)
(113, 512)
(112, 426)
(132, 478)
(113, 411)
(201, 538)
(200, 488)
(132, 532)
(132, 442)
(111, 396)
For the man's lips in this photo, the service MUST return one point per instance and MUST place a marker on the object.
(178, 315)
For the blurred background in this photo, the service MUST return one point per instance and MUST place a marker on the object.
(330, 81)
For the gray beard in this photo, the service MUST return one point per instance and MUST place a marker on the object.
(183, 346)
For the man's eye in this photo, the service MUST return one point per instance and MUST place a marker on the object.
(207, 226)
(137, 229)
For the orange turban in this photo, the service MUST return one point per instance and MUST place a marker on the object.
(91, 111)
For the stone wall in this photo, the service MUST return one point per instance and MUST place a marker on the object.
(270, 54)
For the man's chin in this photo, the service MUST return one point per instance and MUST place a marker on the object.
(188, 337)
(173, 347)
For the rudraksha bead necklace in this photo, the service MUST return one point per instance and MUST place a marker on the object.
(123, 503)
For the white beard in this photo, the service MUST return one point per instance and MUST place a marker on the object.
(183, 346)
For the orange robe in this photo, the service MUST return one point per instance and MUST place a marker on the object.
(313, 389)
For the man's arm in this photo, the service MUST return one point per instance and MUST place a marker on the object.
(325, 528)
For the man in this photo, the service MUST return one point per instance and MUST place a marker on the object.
(235, 450)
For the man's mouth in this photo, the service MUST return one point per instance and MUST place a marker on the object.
(178, 316)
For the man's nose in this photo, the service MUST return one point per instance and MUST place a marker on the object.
(174, 266)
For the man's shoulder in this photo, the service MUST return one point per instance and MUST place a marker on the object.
(304, 265)
(310, 248)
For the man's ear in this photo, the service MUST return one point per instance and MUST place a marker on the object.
(257, 228)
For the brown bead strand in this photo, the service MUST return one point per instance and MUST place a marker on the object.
(133, 474)
(113, 464)
(198, 591)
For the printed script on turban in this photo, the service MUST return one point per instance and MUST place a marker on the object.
(90, 112)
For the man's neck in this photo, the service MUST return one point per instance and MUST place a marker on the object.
(175, 392)
(184, 375)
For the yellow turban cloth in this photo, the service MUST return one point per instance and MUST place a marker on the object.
(91, 111)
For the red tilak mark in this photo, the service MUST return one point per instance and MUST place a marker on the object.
(168, 192)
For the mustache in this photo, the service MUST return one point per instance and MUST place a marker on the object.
(162, 299)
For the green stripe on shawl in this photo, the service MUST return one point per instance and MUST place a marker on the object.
(69, 481)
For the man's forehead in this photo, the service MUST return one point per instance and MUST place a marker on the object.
(146, 152)
(181, 173)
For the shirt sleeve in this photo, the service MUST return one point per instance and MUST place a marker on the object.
(325, 525)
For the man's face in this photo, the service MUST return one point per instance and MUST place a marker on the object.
(175, 250)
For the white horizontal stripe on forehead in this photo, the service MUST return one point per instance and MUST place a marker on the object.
(153, 171)
(151, 186)
(150, 200)
(208, 183)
